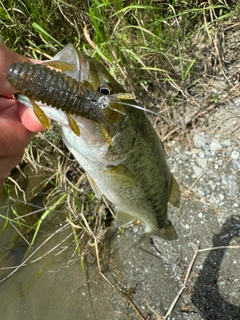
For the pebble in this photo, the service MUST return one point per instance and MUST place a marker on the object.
(197, 170)
(194, 151)
(226, 143)
(200, 215)
(215, 145)
(236, 164)
(221, 196)
(199, 140)
(135, 229)
(207, 151)
(201, 154)
(202, 162)
(201, 192)
(235, 155)
(207, 191)
(204, 191)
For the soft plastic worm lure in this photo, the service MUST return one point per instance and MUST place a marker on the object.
(40, 83)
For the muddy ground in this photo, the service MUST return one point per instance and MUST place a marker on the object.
(205, 258)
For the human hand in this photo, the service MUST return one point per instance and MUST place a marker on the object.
(17, 122)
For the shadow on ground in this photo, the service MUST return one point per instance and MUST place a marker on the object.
(207, 296)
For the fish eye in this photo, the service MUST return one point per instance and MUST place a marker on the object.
(105, 88)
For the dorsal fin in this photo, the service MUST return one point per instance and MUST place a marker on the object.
(174, 194)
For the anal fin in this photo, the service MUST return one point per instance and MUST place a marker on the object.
(94, 186)
(166, 233)
(123, 219)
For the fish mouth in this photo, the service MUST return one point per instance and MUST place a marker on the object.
(73, 56)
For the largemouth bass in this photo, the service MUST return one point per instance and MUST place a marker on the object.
(116, 144)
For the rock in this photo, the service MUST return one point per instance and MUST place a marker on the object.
(194, 151)
(215, 145)
(199, 140)
(200, 215)
(236, 164)
(197, 170)
(235, 155)
(226, 143)
(202, 162)
(207, 191)
(201, 154)
(201, 191)
(207, 151)
(221, 196)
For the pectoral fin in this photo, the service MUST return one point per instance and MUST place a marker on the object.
(123, 176)
(123, 219)
(106, 135)
(175, 194)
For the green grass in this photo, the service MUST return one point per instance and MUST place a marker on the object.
(126, 34)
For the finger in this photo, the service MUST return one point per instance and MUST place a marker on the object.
(1, 181)
(14, 137)
(7, 163)
(6, 103)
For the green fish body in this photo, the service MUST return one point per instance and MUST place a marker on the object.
(124, 159)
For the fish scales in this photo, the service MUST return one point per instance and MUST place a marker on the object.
(131, 171)
(145, 196)
(55, 89)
